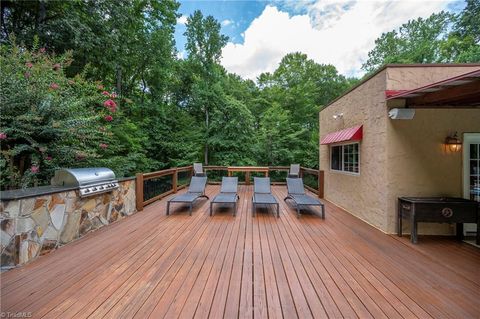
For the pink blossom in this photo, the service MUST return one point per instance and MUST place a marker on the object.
(29, 64)
(57, 66)
(27, 75)
(35, 169)
(106, 93)
(100, 87)
(111, 105)
(108, 118)
(113, 95)
(3, 136)
(103, 145)
(48, 158)
(54, 86)
(42, 50)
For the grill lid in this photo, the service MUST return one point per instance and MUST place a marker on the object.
(82, 176)
(92, 180)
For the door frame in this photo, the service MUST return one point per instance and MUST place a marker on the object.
(467, 139)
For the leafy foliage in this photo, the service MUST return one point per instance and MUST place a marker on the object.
(63, 60)
(442, 37)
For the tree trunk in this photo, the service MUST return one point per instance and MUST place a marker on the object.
(119, 81)
(206, 137)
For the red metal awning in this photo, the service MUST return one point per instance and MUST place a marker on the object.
(349, 134)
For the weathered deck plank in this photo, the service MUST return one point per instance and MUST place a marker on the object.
(151, 265)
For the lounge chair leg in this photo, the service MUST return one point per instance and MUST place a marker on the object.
(168, 208)
(234, 209)
(191, 206)
(323, 212)
(298, 211)
(211, 204)
(278, 211)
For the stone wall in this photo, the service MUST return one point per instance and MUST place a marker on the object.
(34, 226)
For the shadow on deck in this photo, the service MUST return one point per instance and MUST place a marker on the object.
(151, 265)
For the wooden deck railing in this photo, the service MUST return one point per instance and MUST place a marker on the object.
(153, 186)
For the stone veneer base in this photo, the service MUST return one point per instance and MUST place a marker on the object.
(31, 227)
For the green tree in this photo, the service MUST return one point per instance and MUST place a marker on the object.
(442, 37)
(417, 41)
(204, 47)
(300, 87)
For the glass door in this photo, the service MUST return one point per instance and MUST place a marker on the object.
(471, 172)
(472, 166)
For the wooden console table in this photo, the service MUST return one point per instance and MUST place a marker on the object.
(247, 170)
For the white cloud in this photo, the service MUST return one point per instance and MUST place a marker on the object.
(182, 20)
(226, 22)
(331, 32)
(181, 54)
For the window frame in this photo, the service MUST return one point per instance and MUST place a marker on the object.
(342, 152)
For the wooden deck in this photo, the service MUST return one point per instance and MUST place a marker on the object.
(151, 265)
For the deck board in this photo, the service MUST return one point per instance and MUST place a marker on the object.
(152, 266)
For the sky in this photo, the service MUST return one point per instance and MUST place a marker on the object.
(340, 33)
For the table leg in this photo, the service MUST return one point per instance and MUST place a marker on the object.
(229, 173)
(413, 226)
(478, 227)
(266, 173)
(460, 231)
(399, 219)
(247, 178)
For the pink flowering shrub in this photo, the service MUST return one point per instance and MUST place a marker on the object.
(45, 113)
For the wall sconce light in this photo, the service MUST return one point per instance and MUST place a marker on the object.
(338, 116)
(453, 142)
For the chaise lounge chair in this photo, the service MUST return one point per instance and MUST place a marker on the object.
(198, 170)
(262, 194)
(296, 192)
(294, 171)
(228, 194)
(195, 191)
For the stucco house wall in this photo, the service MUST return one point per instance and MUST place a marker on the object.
(362, 195)
(396, 157)
(417, 161)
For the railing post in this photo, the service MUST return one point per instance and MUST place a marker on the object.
(139, 191)
(175, 180)
(321, 183)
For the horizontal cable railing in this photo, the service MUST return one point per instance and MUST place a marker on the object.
(153, 186)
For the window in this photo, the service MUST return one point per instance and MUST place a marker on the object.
(345, 158)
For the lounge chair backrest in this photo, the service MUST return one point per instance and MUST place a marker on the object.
(294, 169)
(197, 168)
(229, 185)
(261, 185)
(295, 186)
(197, 184)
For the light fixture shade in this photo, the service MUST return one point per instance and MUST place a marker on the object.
(453, 143)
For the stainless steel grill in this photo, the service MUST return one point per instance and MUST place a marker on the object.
(90, 181)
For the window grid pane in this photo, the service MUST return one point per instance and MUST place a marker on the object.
(350, 158)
